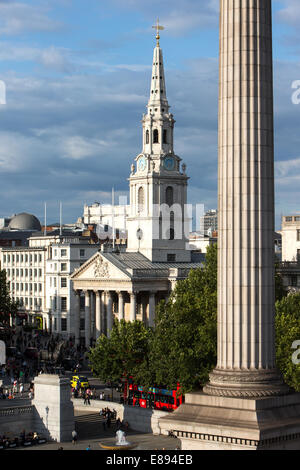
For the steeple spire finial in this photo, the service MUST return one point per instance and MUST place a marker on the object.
(158, 28)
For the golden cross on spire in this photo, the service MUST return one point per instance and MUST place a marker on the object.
(158, 28)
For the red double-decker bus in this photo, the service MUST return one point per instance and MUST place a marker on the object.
(154, 397)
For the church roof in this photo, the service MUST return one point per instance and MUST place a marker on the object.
(137, 261)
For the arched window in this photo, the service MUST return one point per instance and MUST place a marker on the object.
(141, 200)
(165, 136)
(155, 136)
(169, 196)
(147, 137)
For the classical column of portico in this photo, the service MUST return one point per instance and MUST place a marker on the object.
(121, 306)
(87, 319)
(246, 356)
(98, 314)
(77, 318)
(152, 309)
(132, 306)
(109, 307)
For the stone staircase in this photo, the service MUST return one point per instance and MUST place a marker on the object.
(90, 426)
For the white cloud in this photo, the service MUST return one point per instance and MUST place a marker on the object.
(18, 17)
(290, 13)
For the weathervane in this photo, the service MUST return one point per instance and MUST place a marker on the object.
(158, 28)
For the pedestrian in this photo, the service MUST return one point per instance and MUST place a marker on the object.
(88, 447)
(74, 437)
(21, 388)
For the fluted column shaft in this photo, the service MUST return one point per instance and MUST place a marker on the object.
(246, 193)
(87, 319)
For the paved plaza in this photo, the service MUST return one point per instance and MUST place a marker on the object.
(90, 433)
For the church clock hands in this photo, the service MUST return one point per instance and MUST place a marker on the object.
(169, 163)
(142, 164)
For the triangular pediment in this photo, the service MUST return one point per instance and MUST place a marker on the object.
(98, 267)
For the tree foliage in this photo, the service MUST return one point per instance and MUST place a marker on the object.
(7, 305)
(287, 322)
(124, 354)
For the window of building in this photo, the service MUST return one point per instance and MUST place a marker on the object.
(63, 253)
(147, 137)
(298, 235)
(298, 256)
(4, 259)
(105, 228)
(289, 219)
(141, 199)
(171, 258)
(297, 219)
(63, 267)
(82, 324)
(82, 253)
(82, 303)
(63, 304)
(165, 136)
(294, 281)
(63, 324)
(55, 324)
(169, 196)
(63, 282)
(40, 287)
(155, 137)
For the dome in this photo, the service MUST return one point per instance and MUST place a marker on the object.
(25, 222)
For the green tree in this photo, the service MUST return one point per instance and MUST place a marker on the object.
(287, 322)
(184, 344)
(8, 307)
(125, 354)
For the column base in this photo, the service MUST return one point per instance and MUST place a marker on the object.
(206, 422)
(246, 383)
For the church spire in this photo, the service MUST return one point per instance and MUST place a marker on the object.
(158, 103)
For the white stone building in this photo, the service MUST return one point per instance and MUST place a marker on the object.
(39, 277)
(290, 234)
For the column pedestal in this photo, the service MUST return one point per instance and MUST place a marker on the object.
(207, 422)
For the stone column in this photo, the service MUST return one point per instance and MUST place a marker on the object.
(77, 318)
(109, 312)
(87, 319)
(93, 314)
(246, 356)
(132, 306)
(121, 306)
(98, 314)
(152, 309)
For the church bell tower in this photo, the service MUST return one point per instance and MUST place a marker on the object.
(158, 224)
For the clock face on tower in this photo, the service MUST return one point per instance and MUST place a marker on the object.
(142, 163)
(169, 163)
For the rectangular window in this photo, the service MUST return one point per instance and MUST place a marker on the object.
(63, 282)
(63, 324)
(63, 267)
(298, 235)
(297, 219)
(171, 258)
(82, 253)
(63, 253)
(82, 303)
(82, 324)
(294, 280)
(289, 219)
(63, 304)
(55, 324)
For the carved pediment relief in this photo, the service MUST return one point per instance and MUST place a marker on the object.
(101, 269)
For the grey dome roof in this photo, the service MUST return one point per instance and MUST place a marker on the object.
(25, 222)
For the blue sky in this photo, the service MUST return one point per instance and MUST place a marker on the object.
(78, 77)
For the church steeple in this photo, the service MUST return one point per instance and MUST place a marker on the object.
(158, 180)
(158, 103)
